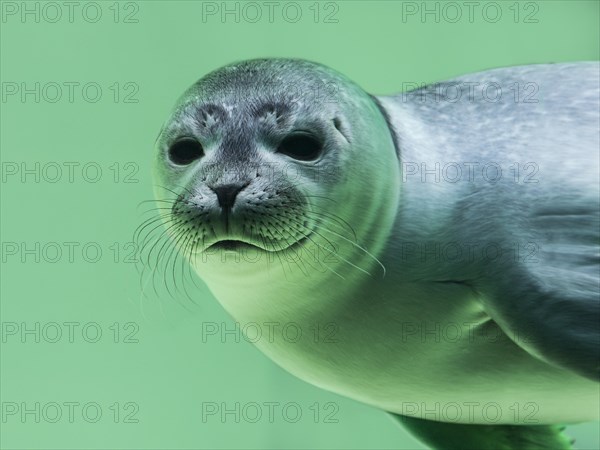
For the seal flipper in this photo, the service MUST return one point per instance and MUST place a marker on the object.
(459, 436)
(549, 301)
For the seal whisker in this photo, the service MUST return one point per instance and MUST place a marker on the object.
(181, 254)
(158, 208)
(262, 239)
(142, 249)
(270, 226)
(155, 267)
(168, 190)
(165, 234)
(174, 242)
(143, 295)
(149, 222)
(162, 225)
(163, 239)
(319, 260)
(189, 244)
(186, 190)
(154, 201)
(335, 219)
(334, 252)
(281, 248)
(293, 200)
(172, 259)
(303, 231)
(359, 247)
(293, 189)
(192, 252)
(332, 216)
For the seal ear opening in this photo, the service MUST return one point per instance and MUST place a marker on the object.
(337, 123)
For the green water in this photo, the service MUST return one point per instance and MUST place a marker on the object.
(85, 89)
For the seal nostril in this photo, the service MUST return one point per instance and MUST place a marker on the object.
(227, 193)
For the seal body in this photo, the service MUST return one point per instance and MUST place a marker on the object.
(456, 269)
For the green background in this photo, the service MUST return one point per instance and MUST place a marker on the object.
(170, 371)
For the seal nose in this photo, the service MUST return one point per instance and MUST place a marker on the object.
(227, 193)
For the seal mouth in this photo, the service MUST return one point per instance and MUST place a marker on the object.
(236, 245)
(233, 245)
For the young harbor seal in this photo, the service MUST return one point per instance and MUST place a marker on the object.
(447, 238)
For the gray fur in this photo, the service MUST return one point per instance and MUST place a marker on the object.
(549, 292)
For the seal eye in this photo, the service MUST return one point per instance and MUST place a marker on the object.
(300, 146)
(185, 151)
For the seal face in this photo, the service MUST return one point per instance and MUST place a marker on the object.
(265, 156)
(291, 192)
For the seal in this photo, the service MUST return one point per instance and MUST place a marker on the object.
(435, 252)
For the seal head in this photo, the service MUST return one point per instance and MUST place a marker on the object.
(274, 156)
